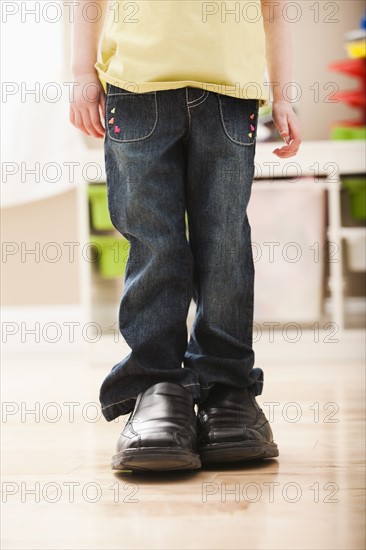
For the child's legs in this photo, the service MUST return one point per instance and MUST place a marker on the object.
(221, 151)
(146, 171)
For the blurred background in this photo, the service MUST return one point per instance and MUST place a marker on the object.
(63, 262)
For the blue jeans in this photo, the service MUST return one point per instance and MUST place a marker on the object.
(167, 153)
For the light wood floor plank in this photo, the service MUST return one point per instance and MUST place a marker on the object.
(312, 497)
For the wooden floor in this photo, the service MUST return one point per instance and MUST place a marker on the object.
(58, 491)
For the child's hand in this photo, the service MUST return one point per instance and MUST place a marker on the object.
(288, 126)
(88, 97)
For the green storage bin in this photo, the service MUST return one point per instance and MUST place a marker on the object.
(348, 132)
(98, 200)
(356, 187)
(112, 254)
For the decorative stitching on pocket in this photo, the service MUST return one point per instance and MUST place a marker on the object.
(249, 126)
(114, 116)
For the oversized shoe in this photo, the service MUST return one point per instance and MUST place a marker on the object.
(232, 427)
(161, 432)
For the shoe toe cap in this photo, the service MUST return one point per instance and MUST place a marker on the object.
(156, 439)
(232, 435)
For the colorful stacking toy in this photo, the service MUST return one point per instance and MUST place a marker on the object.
(354, 66)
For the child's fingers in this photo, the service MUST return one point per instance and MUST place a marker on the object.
(102, 106)
(86, 121)
(96, 122)
(295, 134)
(72, 116)
(290, 132)
(282, 125)
(90, 120)
(290, 149)
(295, 130)
(285, 134)
(79, 123)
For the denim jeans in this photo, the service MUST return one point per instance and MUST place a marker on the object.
(168, 153)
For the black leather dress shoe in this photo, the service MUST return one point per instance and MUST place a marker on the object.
(161, 432)
(232, 427)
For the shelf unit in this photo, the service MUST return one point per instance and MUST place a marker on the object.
(325, 161)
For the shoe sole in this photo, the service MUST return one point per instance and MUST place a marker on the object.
(238, 452)
(155, 460)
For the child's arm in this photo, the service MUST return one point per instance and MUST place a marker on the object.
(279, 64)
(88, 91)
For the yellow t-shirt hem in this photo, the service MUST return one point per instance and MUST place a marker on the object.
(141, 87)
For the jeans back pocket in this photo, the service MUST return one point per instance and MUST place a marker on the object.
(130, 116)
(239, 118)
